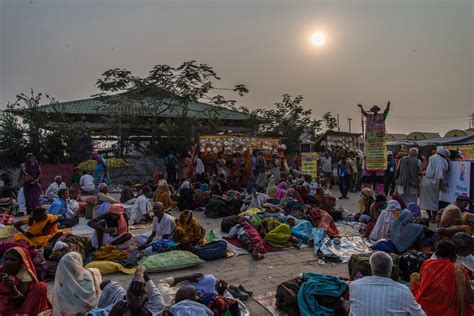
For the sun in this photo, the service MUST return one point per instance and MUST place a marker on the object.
(318, 39)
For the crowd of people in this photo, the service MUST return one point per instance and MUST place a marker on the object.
(265, 205)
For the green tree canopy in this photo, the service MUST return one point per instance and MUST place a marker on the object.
(290, 120)
(164, 89)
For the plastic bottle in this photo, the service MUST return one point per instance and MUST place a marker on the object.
(211, 235)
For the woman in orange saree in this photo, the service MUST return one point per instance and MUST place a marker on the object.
(41, 228)
(443, 288)
(20, 291)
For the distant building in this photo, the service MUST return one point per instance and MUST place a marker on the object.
(395, 137)
(126, 116)
(421, 135)
(459, 133)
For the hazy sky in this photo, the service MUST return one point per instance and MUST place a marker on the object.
(416, 53)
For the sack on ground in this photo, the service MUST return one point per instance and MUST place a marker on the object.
(385, 245)
(169, 261)
(212, 251)
(287, 296)
(109, 267)
(360, 263)
(410, 262)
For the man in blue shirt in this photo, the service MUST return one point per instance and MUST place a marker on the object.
(59, 207)
(344, 172)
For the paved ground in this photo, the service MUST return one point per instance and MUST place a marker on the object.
(262, 276)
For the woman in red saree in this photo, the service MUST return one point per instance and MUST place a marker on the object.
(443, 287)
(20, 291)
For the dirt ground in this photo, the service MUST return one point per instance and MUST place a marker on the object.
(262, 276)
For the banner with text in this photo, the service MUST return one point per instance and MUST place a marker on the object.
(458, 181)
(375, 144)
(309, 164)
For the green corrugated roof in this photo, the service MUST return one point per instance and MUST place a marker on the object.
(95, 106)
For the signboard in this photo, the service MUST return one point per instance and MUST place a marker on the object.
(375, 143)
(309, 164)
(229, 144)
(458, 181)
(467, 151)
(345, 142)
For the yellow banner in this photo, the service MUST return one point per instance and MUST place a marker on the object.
(309, 164)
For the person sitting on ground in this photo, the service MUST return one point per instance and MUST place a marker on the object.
(323, 220)
(365, 201)
(258, 198)
(378, 294)
(162, 228)
(41, 228)
(20, 291)
(271, 188)
(221, 180)
(53, 189)
(451, 214)
(141, 298)
(323, 201)
(466, 226)
(103, 200)
(187, 303)
(202, 195)
(443, 287)
(111, 228)
(87, 183)
(76, 289)
(384, 222)
(163, 195)
(75, 202)
(377, 207)
(404, 232)
(127, 193)
(139, 211)
(60, 208)
(464, 250)
(7, 190)
(185, 200)
(281, 190)
(188, 230)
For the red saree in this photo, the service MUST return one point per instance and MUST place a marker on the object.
(437, 291)
(36, 299)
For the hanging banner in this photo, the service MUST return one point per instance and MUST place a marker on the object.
(467, 151)
(309, 164)
(457, 181)
(375, 146)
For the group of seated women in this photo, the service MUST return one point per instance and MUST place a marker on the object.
(82, 291)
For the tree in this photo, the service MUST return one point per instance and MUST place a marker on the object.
(166, 90)
(290, 121)
(25, 127)
(329, 120)
(13, 143)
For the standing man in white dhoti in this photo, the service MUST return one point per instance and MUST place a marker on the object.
(433, 182)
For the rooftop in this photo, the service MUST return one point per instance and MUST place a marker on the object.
(167, 107)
